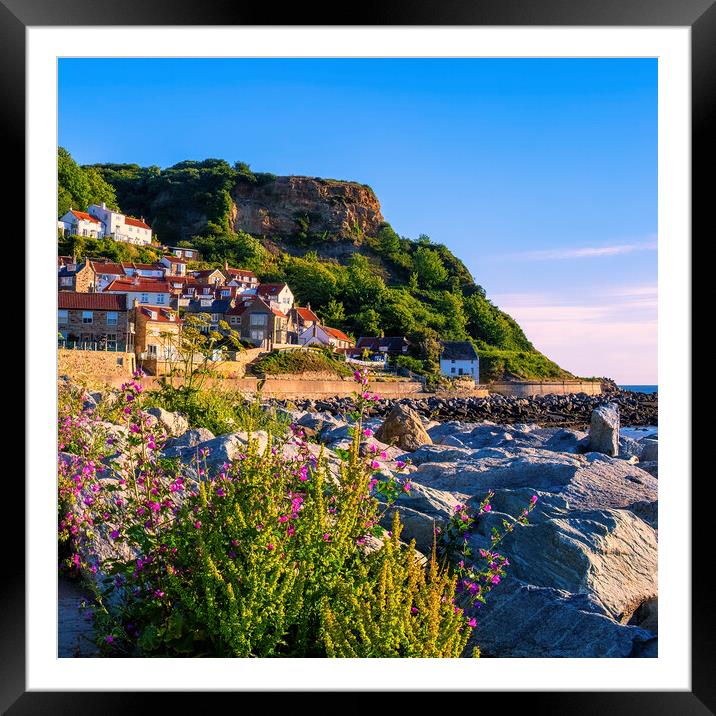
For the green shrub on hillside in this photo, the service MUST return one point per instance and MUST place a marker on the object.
(301, 361)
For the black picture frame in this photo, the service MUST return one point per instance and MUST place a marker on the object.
(699, 15)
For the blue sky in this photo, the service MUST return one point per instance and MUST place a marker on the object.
(540, 174)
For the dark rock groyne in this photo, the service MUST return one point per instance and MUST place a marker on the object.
(637, 409)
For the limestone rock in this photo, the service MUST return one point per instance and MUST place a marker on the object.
(404, 428)
(604, 430)
(174, 423)
(591, 481)
(185, 446)
(525, 620)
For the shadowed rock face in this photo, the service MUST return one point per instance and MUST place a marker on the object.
(278, 207)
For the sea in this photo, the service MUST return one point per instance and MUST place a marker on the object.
(641, 388)
(643, 430)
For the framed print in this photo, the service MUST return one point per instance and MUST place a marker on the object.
(361, 331)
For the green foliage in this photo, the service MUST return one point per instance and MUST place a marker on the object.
(240, 249)
(301, 361)
(409, 363)
(429, 267)
(525, 365)
(394, 607)
(333, 313)
(78, 187)
(108, 248)
(179, 201)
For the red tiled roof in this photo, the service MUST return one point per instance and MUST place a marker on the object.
(86, 217)
(141, 284)
(337, 334)
(131, 221)
(162, 314)
(272, 289)
(307, 314)
(92, 301)
(240, 272)
(106, 267)
(205, 272)
(174, 259)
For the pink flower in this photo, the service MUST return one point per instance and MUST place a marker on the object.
(487, 508)
(197, 524)
(472, 622)
(114, 534)
(399, 464)
(270, 547)
(496, 579)
(367, 432)
(326, 537)
(533, 499)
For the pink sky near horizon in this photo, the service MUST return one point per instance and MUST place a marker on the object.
(612, 333)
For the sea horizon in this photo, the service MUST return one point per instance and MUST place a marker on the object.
(640, 388)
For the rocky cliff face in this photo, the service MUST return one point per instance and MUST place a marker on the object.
(293, 205)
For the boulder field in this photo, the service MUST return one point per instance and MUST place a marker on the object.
(582, 580)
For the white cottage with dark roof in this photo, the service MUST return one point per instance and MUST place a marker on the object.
(459, 358)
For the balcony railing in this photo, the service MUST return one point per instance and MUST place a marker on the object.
(113, 346)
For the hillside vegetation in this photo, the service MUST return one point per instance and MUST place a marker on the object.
(363, 284)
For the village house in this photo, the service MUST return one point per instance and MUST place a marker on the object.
(459, 358)
(98, 320)
(241, 278)
(80, 223)
(184, 252)
(106, 272)
(304, 317)
(143, 270)
(146, 290)
(157, 330)
(209, 277)
(121, 227)
(173, 266)
(389, 345)
(278, 295)
(80, 277)
(325, 336)
(216, 308)
(261, 324)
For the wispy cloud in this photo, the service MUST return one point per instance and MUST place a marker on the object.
(613, 333)
(586, 252)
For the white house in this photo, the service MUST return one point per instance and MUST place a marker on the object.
(121, 227)
(324, 336)
(459, 358)
(277, 295)
(79, 223)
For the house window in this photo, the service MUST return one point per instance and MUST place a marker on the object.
(452, 370)
(258, 319)
(62, 316)
(234, 319)
(160, 298)
(112, 318)
(87, 316)
(144, 298)
(188, 254)
(152, 350)
(214, 317)
(257, 335)
(66, 281)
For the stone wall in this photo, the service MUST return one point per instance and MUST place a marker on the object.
(527, 388)
(101, 367)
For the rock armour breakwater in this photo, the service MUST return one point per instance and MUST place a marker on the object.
(573, 410)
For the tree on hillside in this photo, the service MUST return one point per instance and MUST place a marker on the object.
(429, 267)
(333, 313)
(78, 187)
